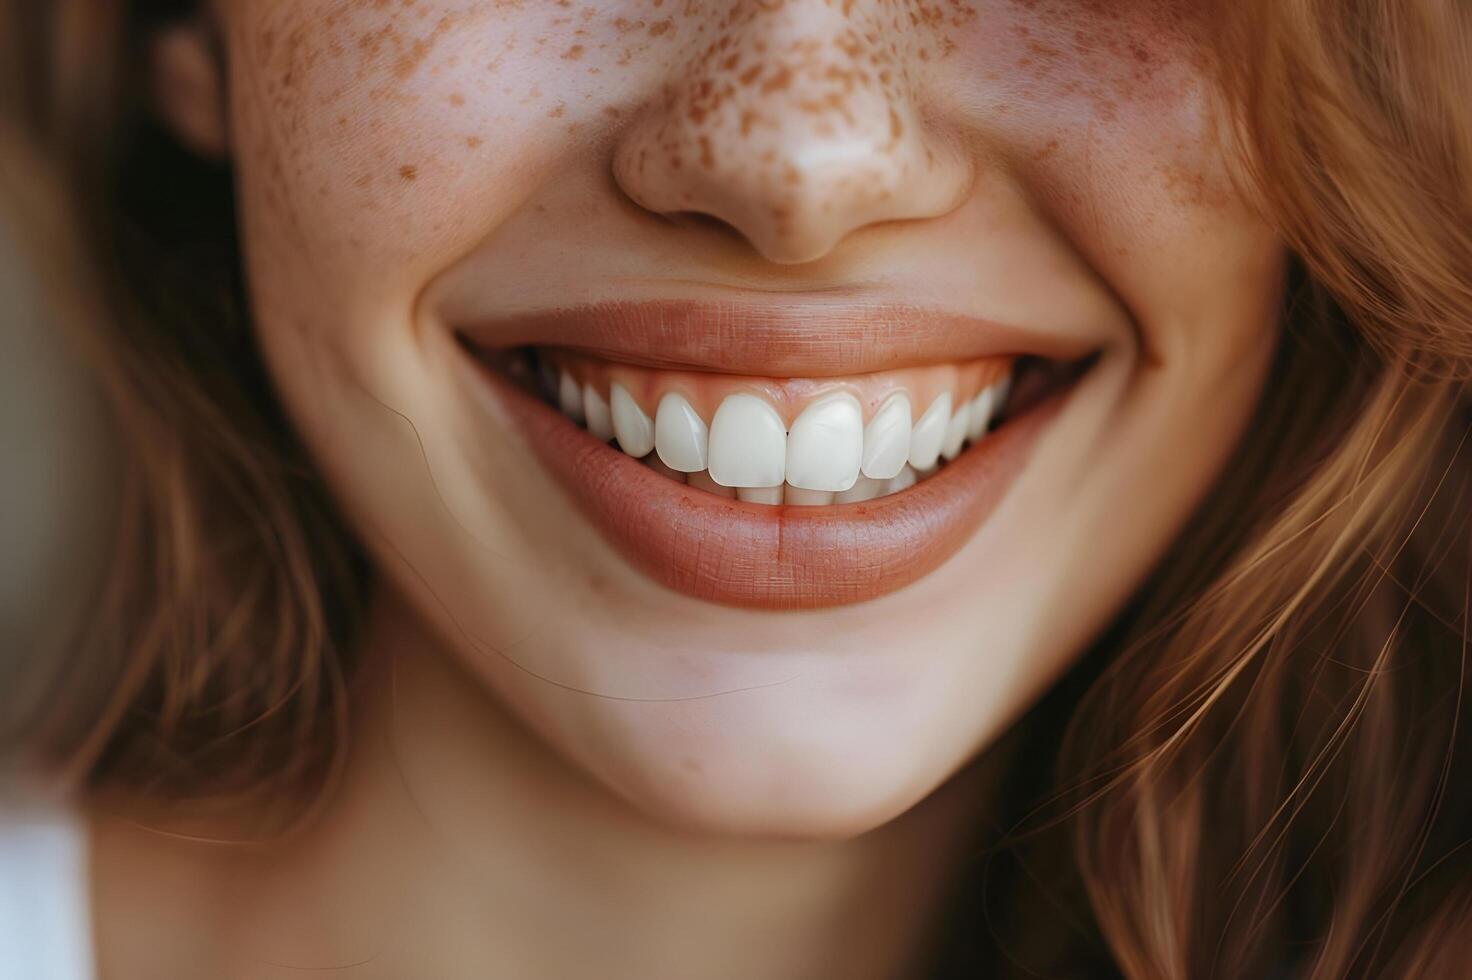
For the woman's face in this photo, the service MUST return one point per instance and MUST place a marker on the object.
(801, 243)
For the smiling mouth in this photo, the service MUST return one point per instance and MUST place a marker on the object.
(773, 492)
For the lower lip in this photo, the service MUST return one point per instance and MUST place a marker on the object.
(776, 557)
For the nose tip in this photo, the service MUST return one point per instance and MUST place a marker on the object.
(797, 126)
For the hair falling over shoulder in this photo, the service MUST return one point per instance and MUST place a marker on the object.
(1265, 768)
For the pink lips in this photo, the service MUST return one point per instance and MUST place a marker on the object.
(781, 340)
(779, 557)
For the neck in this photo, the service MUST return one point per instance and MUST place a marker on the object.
(504, 859)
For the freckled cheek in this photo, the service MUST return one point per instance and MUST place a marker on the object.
(1095, 105)
(354, 206)
(382, 101)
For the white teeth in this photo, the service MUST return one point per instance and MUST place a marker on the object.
(981, 412)
(680, 435)
(887, 438)
(760, 495)
(950, 447)
(865, 488)
(570, 398)
(657, 465)
(596, 411)
(906, 479)
(826, 445)
(802, 497)
(633, 429)
(703, 481)
(930, 433)
(748, 444)
(746, 453)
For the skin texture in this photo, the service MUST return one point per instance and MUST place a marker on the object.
(407, 167)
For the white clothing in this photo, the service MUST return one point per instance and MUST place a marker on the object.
(45, 917)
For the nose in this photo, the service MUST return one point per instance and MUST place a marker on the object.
(797, 123)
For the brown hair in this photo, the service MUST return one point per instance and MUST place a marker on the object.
(1263, 769)
(213, 660)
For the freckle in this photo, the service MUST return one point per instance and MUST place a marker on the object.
(660, 28)
(363, 180)
(473, 142)
(457, 99)
(781, 79)
(408, 172)
(556, 111)
(573, 53)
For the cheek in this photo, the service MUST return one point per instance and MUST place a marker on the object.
(377, 140)
(1108, 114)
(1100, 100)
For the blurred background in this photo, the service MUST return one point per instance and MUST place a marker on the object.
(57, 476)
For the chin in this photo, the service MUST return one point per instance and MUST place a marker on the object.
(790, 770)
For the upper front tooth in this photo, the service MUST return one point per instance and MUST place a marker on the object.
(680, 435)
(981, 412)
(826, 445)
(950, 447)
(600, 419)
(930, 433)
(633, 429)
(570, 398)
(887, 438)
(748, 444)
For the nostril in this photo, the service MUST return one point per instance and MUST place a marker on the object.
(702, 221)
(809, 149)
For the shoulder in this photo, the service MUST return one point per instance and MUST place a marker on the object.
(44, 908)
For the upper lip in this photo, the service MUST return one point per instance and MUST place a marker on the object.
(783, 339)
